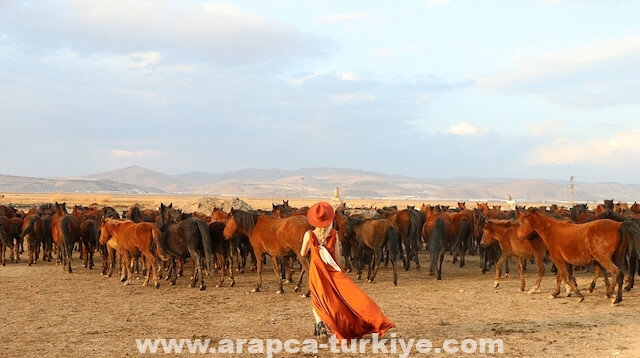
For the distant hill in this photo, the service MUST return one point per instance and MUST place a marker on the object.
(321, 182)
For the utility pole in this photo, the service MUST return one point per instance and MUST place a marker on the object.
(571, 189)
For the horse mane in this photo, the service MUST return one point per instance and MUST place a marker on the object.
(245, 220)
(505, 222)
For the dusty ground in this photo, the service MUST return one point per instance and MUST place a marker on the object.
(47, 312)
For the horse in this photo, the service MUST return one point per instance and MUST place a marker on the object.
(276, 237)
(137, 214)
(65, 230)
(504, 232)
(408, 224)
(33, 231)
(602, 241)
(222, 250)
(12, 227)
(184, 238)
(90, 219)
(133, 239)
(438, 230)
(374, 234)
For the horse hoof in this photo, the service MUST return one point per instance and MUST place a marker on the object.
(279, 292)
(255, 290)
(370, 281)
(552, 296)
(157, 285)
(533, 290)
(233, 284)
(496, 284)
(203, 287)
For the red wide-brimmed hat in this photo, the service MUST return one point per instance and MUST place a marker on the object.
(320, 214)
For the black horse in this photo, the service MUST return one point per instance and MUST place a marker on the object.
(185, 237)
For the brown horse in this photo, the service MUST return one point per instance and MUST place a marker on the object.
(65, 230)
(374, 235)
(439, 233)
(221, 249)
(505, 233)
(32, 232)
(603, 241)
(279, 238)
(408, 222)
(183, 237)
(133, 239)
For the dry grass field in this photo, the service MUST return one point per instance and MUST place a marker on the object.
(47, 312)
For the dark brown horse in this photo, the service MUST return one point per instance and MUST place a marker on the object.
(65, 230)
(603, 241)
(374, 235)
(505, 233)
(279, 238)
(185, 237)
(133, 239)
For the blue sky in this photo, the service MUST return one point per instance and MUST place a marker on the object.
(427, 89)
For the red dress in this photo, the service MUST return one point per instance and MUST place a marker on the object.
(346, 310)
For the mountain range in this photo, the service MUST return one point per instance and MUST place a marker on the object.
(322, 182)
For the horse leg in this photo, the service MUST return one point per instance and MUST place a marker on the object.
(259, 269)
(305, 267)
(440, 264)
(540, 272)
(498, 269)
(221, 262)
(359, 260)
(571, 281)
(633, 260)
(377, 259)
(125, 258)
(276, 269)
(521, 272)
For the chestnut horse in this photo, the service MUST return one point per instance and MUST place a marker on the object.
(133, 239)
(505, 233)
(603, 241)
(279, 238)
(65, 230)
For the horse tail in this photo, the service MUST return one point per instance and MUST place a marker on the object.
(28, 230)
(631, 231)
(463, 235)
(393, 242)
(157, 245)
(207, 243)
(435, 243)
(67, 245)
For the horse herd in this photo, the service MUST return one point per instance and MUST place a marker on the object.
(607, 238)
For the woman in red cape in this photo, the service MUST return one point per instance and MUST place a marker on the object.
(339, 305)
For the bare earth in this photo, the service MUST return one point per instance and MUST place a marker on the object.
(48, 312)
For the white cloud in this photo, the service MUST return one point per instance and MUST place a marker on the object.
(547, 127)
(602, 151)
(465, 128)
(545, 66)
(437, 3)
(149, 153)
(351, 18)
(352, 97)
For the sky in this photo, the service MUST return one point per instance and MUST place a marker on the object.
(427, 89)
